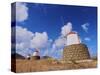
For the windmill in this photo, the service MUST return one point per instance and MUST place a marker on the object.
(73, 38)
(36, 54)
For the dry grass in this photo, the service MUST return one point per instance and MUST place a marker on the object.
(51, 65)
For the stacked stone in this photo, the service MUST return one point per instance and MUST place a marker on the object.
(76, 52)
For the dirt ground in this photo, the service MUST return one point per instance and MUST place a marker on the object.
(52, 65)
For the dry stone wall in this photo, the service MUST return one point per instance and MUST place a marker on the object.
(76, 52)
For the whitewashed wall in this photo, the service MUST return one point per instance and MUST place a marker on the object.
(73, 39)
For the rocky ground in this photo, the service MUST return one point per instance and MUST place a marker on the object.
(51, 65)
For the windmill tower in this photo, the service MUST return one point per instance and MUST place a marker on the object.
(75, 50)
(73, 38)
(36, 55)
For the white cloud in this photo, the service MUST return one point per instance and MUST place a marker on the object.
(85, 27)
(21, 12)
(23, 39)
(48, 48)
(59, 43)
(56, 53)
(23, 35)
(39, 40)
(27, 40)
(66, 29)
(87, 39)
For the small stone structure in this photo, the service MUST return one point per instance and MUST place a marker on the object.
(76, 52)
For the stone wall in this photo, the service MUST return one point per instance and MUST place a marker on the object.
(76, 52)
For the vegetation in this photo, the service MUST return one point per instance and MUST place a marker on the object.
(51, 65)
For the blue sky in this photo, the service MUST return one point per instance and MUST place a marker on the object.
(50, 18)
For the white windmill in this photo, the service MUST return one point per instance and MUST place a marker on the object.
(36, 53)
(73, 38)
